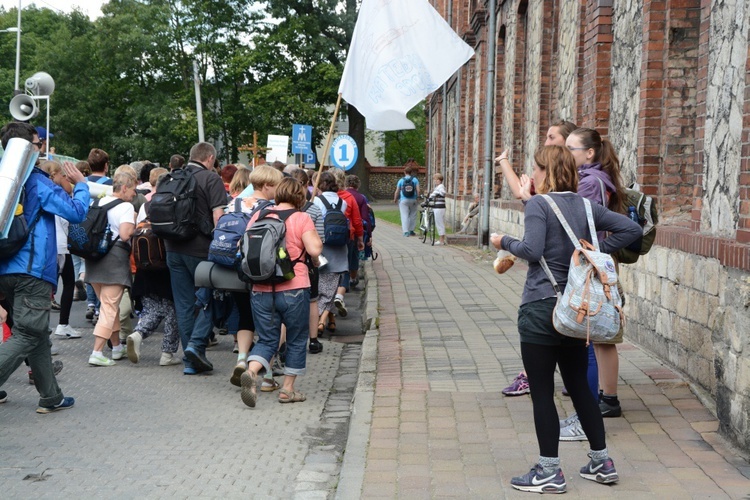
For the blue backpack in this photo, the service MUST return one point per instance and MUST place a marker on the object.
(224, 249)
(335, 224)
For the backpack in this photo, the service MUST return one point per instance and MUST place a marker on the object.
(409, 188)
(591, 306)
(19, 231)
(172, 211)
(92, 238)
(224, 248)
(335, 224)
(648, 217)
(149, 253)
(264, 259)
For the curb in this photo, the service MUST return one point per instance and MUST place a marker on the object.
(352, 472)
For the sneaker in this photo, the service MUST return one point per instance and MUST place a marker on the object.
(249, 382)
(315, 346)
(567, 421)
(96, 317)
(189, 370)
(601, 471)
(277, 369)
(573, 432)
(67, 331)
(54, 305)
(100, 360)
(80, 291)
(169, 359)
(406, 235)
(67, 402)
(198, 360)
(412, 233)
(118, 354)
(213, 341)
(609, 410)
(57, 367)
(134, 346)
(340, 306)
(90, 310)
(537, 482)
(3, 397)
(235, 348)
(237, 373)
(437, 243)
(518, 387)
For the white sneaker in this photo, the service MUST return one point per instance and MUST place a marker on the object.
(100, 360)
(570, 420)
(340, 306)
(67, 331)
(169, 359)
(573, 432)
(134, 346)
(120, 353)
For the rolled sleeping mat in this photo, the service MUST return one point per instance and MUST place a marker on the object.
(212, 275)
(15, 167)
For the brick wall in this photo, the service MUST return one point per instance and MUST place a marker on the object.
(383, 181)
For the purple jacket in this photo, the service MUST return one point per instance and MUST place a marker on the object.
(588, 183)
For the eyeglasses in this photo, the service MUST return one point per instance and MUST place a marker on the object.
(576, 149)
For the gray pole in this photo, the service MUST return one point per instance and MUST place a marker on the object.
(456, 145)
(489, 113)
(198, 105)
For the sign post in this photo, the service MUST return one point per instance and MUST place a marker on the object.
(344, 152)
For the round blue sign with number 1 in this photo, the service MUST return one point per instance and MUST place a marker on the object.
(344, 152)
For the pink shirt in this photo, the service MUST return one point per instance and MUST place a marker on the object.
(296, 225)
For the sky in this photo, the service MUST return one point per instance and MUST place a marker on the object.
(90, 7)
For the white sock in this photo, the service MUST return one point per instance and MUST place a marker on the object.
(97, 353)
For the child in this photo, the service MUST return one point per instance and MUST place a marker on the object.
(438, 207)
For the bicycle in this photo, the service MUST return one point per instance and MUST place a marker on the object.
(427, 222)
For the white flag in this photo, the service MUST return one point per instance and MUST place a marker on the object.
(402, 50)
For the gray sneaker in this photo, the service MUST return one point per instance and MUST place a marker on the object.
(573, 432)
(567, 421)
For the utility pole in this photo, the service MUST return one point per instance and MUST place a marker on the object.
(198, 104)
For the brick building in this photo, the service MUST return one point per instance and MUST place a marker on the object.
(668, 82)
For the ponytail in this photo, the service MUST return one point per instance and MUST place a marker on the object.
(611, 165)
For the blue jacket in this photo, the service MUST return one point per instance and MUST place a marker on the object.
(43, 194)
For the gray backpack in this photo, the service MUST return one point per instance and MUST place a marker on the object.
(264, 257)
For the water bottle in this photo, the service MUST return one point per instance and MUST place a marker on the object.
(104, 242)
(285, 264)
(633, 214)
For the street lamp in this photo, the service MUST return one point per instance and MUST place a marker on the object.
(17, 31)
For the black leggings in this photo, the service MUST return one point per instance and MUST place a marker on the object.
(539, 361)
(69, 287)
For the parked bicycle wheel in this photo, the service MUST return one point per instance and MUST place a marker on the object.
(432, 228)
(423, 226)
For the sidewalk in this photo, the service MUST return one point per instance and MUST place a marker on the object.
(429, 420)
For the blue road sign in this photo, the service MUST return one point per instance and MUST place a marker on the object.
(344, 152)
(301, 139)
(309, 158)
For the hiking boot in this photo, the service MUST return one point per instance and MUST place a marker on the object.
(573, 432)
(315, 346)
(538, 482)
(169, 359)
(67, 402)
(100, 360)
(601, 471)
(518, 387)
(608, 410)
(134, 346)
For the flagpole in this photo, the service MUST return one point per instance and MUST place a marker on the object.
(327, 150)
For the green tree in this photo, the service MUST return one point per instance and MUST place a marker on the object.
(401, 145)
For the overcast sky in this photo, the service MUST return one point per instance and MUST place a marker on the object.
(90, 7)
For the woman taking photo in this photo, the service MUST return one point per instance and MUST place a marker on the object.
(542, 347)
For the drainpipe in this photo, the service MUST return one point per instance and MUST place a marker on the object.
(456, 168)
(489, 113)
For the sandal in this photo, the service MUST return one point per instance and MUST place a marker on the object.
(291, 396)
(237, 373)
(331, 323)
(321, 328)
(269, 385)
(249, 395)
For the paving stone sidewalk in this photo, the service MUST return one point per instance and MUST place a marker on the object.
(146, 431)
(430, 421)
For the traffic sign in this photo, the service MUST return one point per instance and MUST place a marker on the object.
(309, 158)
(344, 152)
(301, 139)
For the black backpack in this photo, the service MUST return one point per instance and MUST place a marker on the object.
(409, 188)
(92, 238)
(335, 224)
(172, 211)
(264, 257)
(19, 231)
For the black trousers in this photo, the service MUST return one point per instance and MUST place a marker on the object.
(69, 286)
